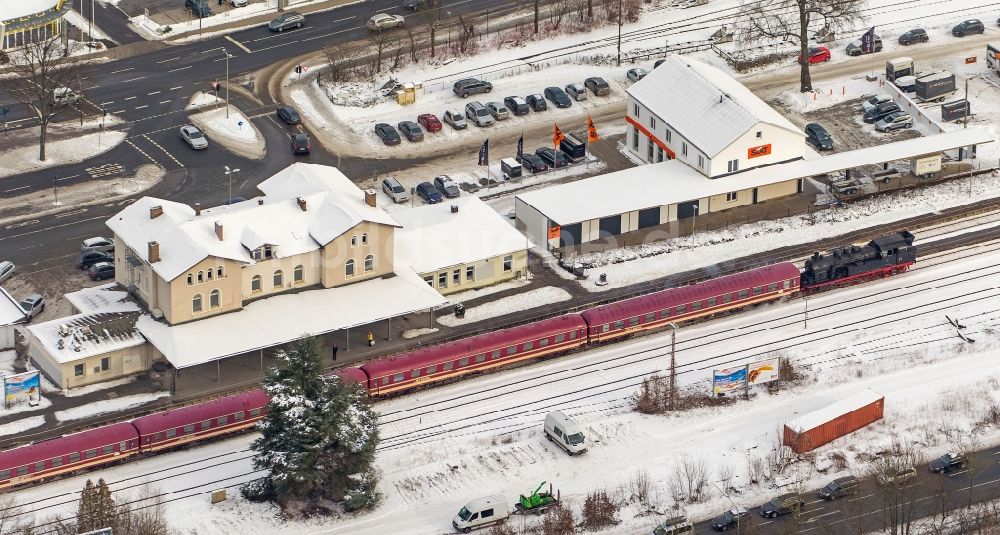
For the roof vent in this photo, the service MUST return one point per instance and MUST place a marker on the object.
(155, 211)
(260, 202)
(60, 343)
(197, 208)
(218, 230)
(64, 329)
(77, 346)
(302, 203)
(454, 208)
(370, 199)
(154, 252)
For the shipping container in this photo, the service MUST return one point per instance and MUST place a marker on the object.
(934, 86)
(841, 418)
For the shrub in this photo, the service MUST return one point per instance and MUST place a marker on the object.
(599, 511)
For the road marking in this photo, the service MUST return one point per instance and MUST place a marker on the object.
(117, 112)
(179, 69)
(121, 70)
(141, 107)
(817, 517)
(153, 93)
(953, 474)
(165, 101)
(320, 36)
(175, 88)
(107, 169)
(28, 247)
(15, 189)
(108, 102)
(171, 59)
(77, 222)
(21, 224)
(74, 212)
(67, 177)
(134, 146)
(133, 79)
(130, 98)
(815, 501)
(157, 145)
(239, 44)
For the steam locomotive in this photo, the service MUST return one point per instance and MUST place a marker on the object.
(855, 263)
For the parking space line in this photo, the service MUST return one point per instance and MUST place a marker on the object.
(136, 147)
(953, 474)
(239, 44)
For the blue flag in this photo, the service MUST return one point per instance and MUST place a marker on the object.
(520, 147)
(484, 153)
(868, 41)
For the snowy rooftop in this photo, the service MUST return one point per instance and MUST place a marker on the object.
(22, 8)
(433, 237)
(310, 206)
(284, 318)
(819, 417)
(103, 298)
(706, 105)
(671, 181)
(10, 311)
(88, 335)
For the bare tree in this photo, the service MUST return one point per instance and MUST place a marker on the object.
(788, 20)
(41, 76)
(894, 471)
(430, 13)
(380, 42)
(557, 11)
(688, 479)
(536, 6)
(343, 60)
(465, 35)
(9, 513)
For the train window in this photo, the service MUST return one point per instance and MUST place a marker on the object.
(107, 450)
(528, 346)
(511, 350)
(696, 305)
(254, 412)
(744, 294)
(463, 362)
(572, 335)
(206, 424)
(55, 462)
(786, 284)
(772, 287)
(620, 324)
(171, 433)
(21, 470)
(711, 301)
(4, 474)
(446, 366)
(632, 322)
(122, 447)
(650, 317)
(543, 342)
(39, 466)
(398, 378)
(90, 454)
(665, 313)
(189, 428)
(680, 310)
(222, 420)
(74, 457)
(757, 290)
(432, 369)
(727, 298)
(385, 380)
(560, 338)
(605, 328)
(415, 373)
(239, 416)
(480, 358)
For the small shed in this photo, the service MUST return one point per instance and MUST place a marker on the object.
(10, 314)
(838, 419)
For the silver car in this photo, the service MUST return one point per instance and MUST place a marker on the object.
(498, 110)
(6, 270)
(194, 137)
(636, 74)
(97, 243)
(33, 305)
(455, 119)
(395, 190)
(576, 91)
(478, 114)
(894, 121)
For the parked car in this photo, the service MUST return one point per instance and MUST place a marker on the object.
(731, 519)
(471, 86)
(411, 4)
(6, 270)
(33, 305)
(533, 163)
(678, 525)
(199, 8)
(517, 105)
(576, 91)
(101, 271)
(288, 115)
(97, 243)
(300, 143)
(387, 134)
(554, 158)
(411, 130)
(659, 62)
(455, 119)
(498, 111)
(968, 26)
(894, 121)
(288, 19)
(394, 190)
(193, 137)
(948, 462)
(782, 505)
(537, 102)
(880, 111)
(840, 487)
(855, 49)
(558, 97)
(598, 86)
(384, 21)
(429, 121)
(817, 135)
(875, 100)
(817, 54)
(429, 193)
(636, 73)
(897, 477)
(478, 114)
(447, 185)
(89, 258)
(238, 3)
(916, 35)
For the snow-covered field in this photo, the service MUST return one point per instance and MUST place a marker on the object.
(444, 446)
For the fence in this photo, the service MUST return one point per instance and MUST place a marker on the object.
(920, 114)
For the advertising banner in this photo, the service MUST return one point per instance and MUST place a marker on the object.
(763, 371)
(728, 380)
(22, 388)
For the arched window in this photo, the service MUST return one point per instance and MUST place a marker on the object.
(190, 279)
(364, 238)
(299, 274)
(196, 303)
(255, 283)
(278, 278)
(201, 277)
(214, 299)
(211, 273)
(218, 272)
(369, 263)
(354, 241)
(349, 268)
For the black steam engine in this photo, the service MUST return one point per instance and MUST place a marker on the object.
(848, 265)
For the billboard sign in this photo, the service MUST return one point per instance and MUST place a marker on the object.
(728, 380)
(22, 387)
(763, 371)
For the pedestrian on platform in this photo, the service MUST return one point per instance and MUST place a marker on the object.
(371, 339)
(335, 352)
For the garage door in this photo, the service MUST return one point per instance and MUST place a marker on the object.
(611, 226)
(686, 209)
(570, 235)
(650, 217)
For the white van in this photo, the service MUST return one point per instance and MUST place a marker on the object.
(481, 513)
(562, 430)
(64, 96)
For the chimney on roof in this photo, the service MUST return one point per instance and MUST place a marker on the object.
(260, 202)
(302, 203)
(454, 208)
(218, 230)
(197, 208)
(155, 211)
(154, 252)
(370, 198)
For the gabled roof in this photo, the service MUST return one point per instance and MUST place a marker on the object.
(704, 104)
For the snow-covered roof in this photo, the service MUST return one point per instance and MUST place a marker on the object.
(10, 310)
(433, 237)
(671, 181)
(23, 8)
(103, 298)
(298, 218)
(88, 335)
(833, 410)
(704, 104)
(287, 317)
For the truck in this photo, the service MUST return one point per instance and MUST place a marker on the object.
(934, 86)
(898, 67)
(492, 510)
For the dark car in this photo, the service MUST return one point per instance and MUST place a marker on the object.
(537, 102)
(300, 143)
(411, 130)
(840, 487)
(429, 193)
(854, 49)
(558, 97)
(817, 135)
(387, 134)
(533, 163)
(659, 62)
(198, 7)
(968, 26)
(516, 105)
(447, 185)
(101, 271)
(916, 35)
(948, 462)
(288, 115)
(880, 111)
(89, 258)
(598, 86)
(429, 121)
(554, 158)
(471, 86)
(782, 505)
(731, 519)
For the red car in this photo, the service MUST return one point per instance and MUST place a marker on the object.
(430, 122)
(817, 54)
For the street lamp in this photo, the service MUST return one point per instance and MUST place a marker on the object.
(965, 113)
(230, 173)
(736, 508)
(227, 83)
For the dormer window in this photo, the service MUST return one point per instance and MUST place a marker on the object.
(264, 252)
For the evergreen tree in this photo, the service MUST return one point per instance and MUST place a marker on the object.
(85, 511)
(318, 438)
(97, 508)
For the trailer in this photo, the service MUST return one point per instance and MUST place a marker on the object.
(537, 502)
(886, 176)
(898, 67)
(934, 86)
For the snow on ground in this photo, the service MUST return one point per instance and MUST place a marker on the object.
(467, 295)
(507, 305)
(78, 21)
(235, 131)
(106, 406)
(413, 333)
(444, 446)
(97, 387)
(7, 358)
(21, 425)
(24, 157)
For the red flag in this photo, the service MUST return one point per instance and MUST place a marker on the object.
(591, 131)
(557, 135)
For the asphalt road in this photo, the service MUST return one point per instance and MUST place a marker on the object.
(110, 19)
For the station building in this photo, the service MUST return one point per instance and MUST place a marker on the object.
(29, 21)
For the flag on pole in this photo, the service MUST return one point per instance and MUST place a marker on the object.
(520, 147)
(868, 41)
(484, 153)
(557, 135)
(591, 131)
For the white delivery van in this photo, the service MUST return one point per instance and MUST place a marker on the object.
(481, 513)
(562, 430)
